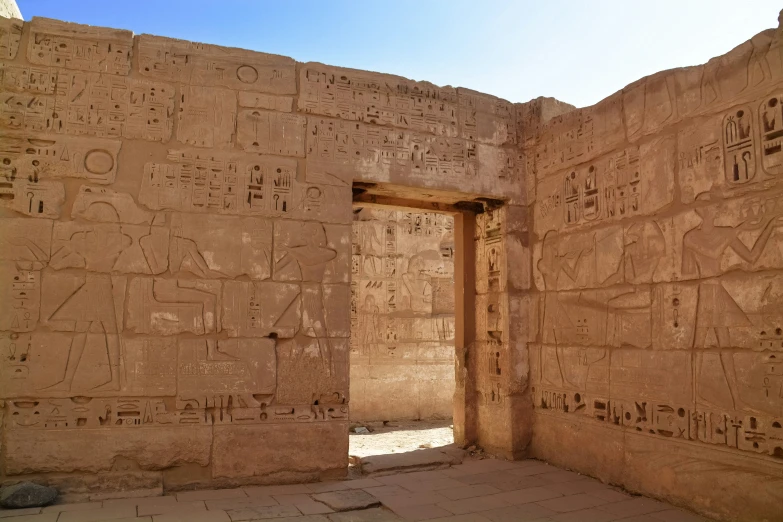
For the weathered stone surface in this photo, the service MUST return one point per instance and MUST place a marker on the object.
(347, 500)
(419, 459)
(32, 448)
(278, 454)
(402, 315)
(617, 268)
(26, 495)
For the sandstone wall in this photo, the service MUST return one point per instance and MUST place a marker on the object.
(176, 265)
(657, 242)
(402, 315)
(175, 221)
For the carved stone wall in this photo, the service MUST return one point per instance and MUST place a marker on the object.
(402, 315)
(175, 252)
(657, 254)
(175, 242)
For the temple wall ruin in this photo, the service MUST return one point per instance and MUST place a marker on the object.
(402, 316)
(176, 250)
(657, 243)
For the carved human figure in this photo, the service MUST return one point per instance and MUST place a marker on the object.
(418, 285)
(312, 255)
(91, 308)
(185, 256)
(369, 323)
(704, 245)
(550, 265)
(96, 249)
(716, 310)
(369, 241)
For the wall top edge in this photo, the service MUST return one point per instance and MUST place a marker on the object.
(769, 37)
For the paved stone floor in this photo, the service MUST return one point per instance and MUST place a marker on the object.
(477, 490)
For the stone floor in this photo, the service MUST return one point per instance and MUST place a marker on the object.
(400, 437)
(477, 490)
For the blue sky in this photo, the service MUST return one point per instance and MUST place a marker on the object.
(576, 51)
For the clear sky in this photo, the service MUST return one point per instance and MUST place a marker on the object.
(576, 51)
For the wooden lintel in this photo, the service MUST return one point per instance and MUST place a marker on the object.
(375, 200)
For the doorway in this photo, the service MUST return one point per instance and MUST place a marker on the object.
(402, 330)
(408, 322)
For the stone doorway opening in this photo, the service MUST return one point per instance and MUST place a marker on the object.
(402, 369)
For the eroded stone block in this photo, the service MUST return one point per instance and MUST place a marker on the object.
(212, 65)
(173, 306)
(240, 184)
(81, 47)
(210, 246)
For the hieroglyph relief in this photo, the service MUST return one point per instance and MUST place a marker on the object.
(80, 47)
(722, 338)
(377, 98)
(402, 288)
(239, 184)
(215, 66)
(10, 36)
(733, 154)
(49, 99)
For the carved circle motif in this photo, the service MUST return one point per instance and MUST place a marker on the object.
(247, 74)
(98, 161)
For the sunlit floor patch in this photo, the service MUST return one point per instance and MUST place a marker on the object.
(400, 437)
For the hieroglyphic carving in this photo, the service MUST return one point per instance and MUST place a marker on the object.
(172, 306)
(578, 136)
(212, 65)
(21, 290)
(631, 389)
(335, 149)
(486, 119)
(226, 366)
(261, 308)
(630, 182)
(195, 181)
(739, 146)
(269, 132)
(47, 156)
(30, 196)
(207, 117)
(71, 102)
(80, 47)
(254, 100)
(771, 135)
(34, 366)
(378, 98)
(10, 36)
(402, 311)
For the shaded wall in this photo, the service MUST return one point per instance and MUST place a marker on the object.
(657, 242)
(175, 221)
(402, 315)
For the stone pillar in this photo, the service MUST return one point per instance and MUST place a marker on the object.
(502, 330)
(465, 415)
